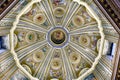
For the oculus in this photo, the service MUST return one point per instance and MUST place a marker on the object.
(58, 37)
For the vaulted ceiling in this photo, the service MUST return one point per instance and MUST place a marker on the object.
(59, 39)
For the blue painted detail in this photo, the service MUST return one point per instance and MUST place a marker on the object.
(2, 46)
(90, 77)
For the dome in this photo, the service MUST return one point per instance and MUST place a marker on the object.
(57, 40)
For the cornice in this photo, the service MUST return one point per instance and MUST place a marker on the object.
(111, 9)
(6, 6)
(116, 68)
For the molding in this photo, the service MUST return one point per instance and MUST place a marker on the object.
(117, 4)
(116, 68)
(112, 12)
(6, 6)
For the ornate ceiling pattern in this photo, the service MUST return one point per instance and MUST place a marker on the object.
(56, 40)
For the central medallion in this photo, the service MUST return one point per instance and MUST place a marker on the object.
(58, 37)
